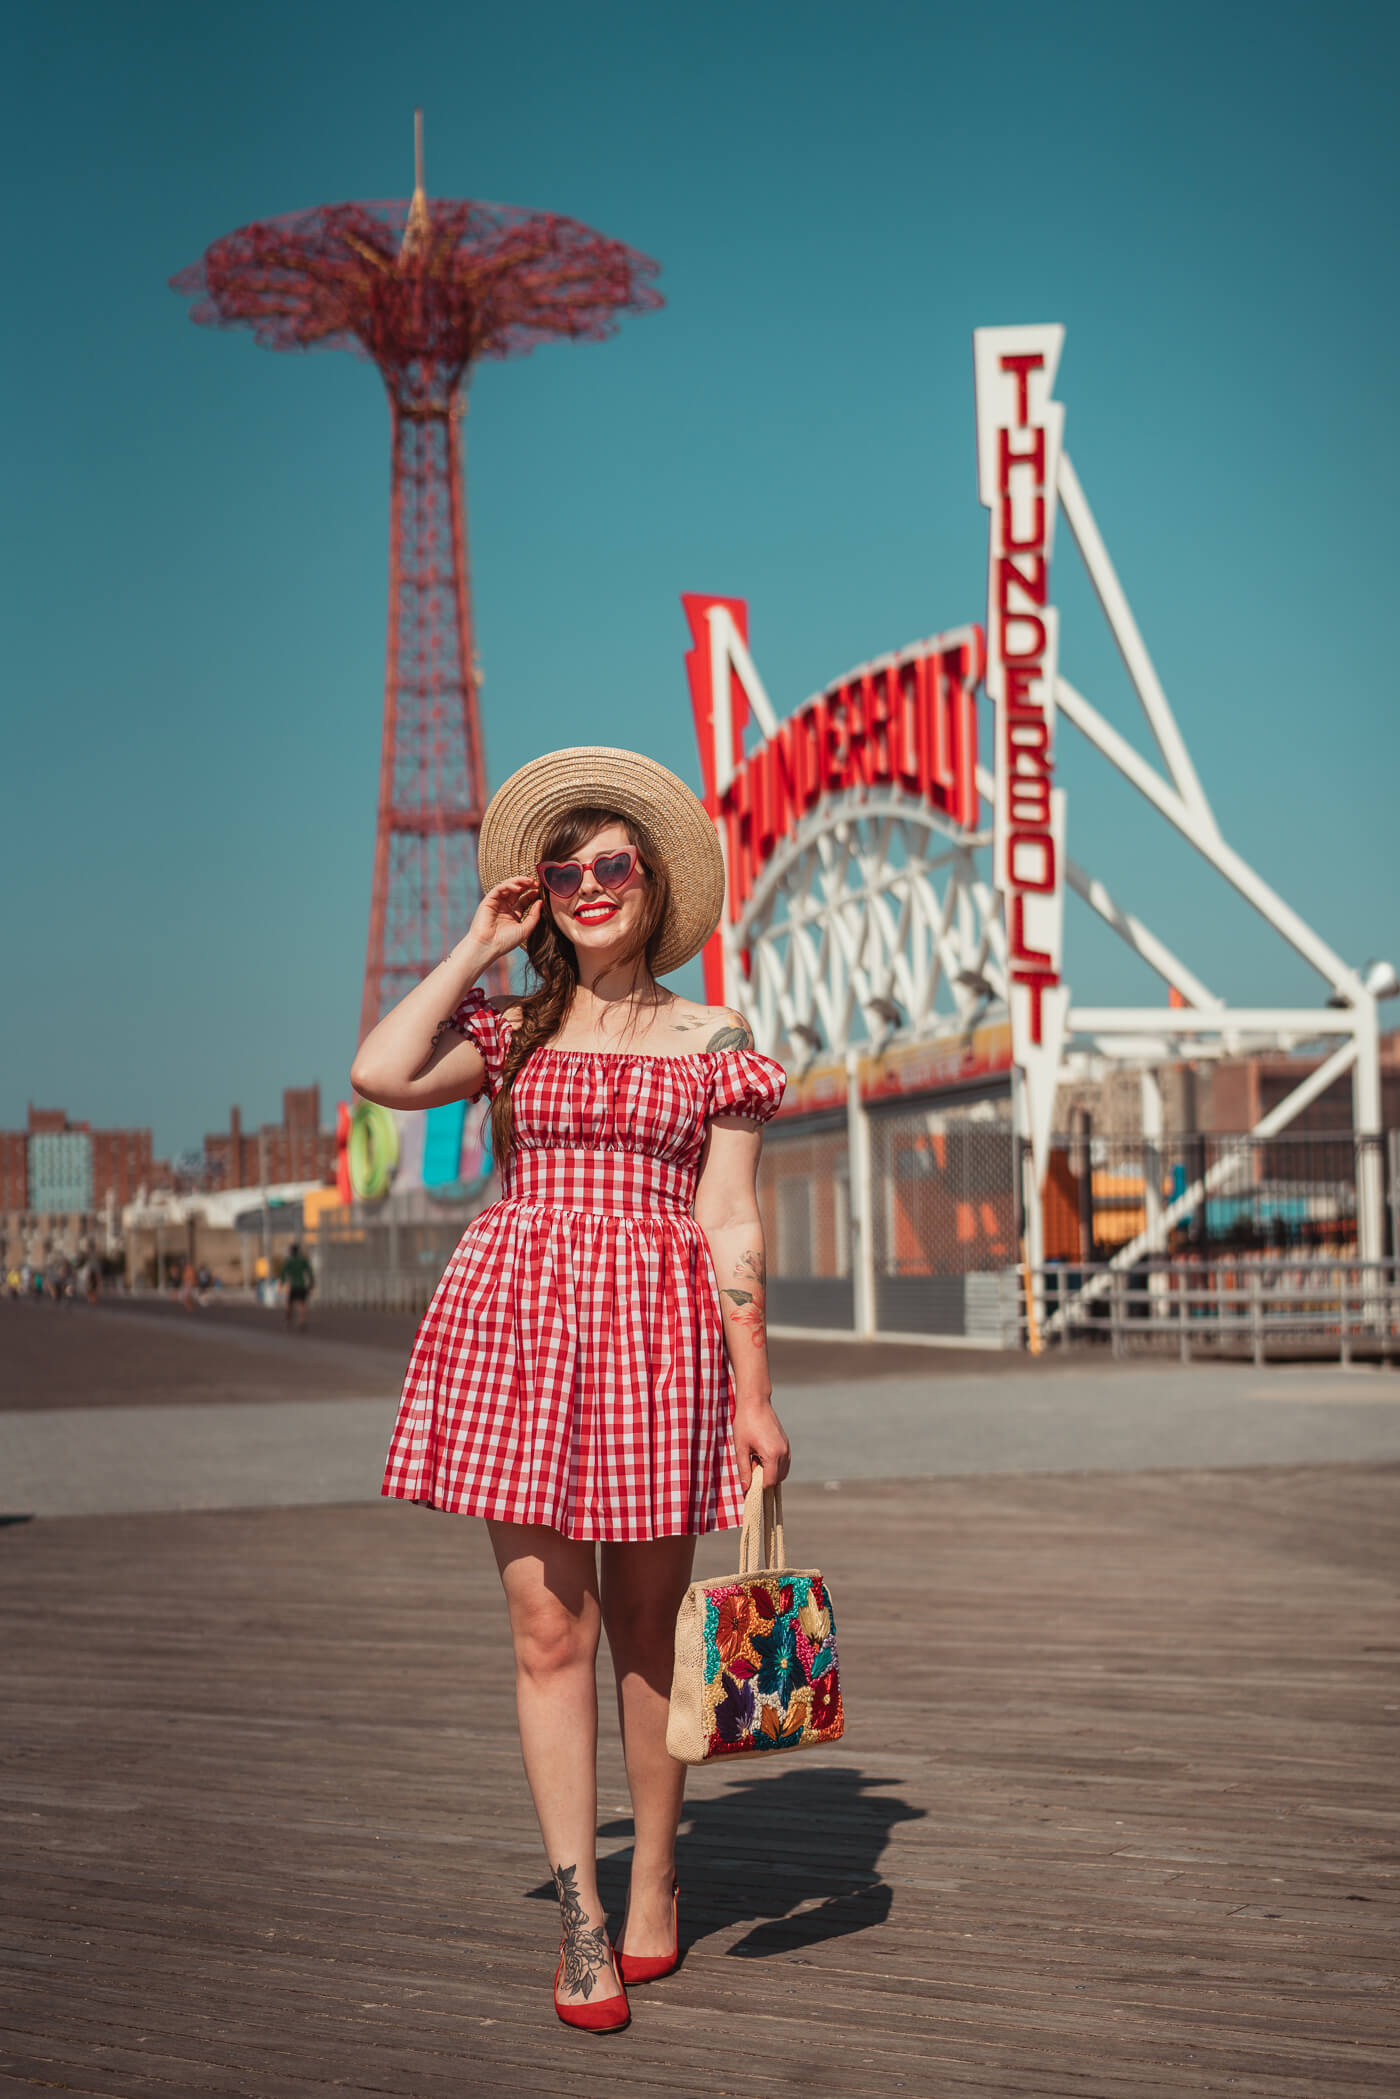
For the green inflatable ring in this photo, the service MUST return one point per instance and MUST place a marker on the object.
(372, 1149)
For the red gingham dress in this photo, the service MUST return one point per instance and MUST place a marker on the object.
(571, 1368)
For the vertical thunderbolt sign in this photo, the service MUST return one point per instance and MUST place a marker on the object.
(1019, 433)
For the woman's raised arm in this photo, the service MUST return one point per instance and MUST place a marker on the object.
(409, 1060)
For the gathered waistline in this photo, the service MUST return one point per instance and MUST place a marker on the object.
(639, 1213)
(619, 1184)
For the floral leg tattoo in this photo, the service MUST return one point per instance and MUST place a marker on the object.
(586, 1950)
(748, 1296)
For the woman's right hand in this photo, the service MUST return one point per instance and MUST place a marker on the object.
(404, 1061)
(507, 915)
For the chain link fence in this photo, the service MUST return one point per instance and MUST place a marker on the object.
(384, 1264)
(1214, 1195)
(945, 1227)
(805, 1203)
(943, 1222)
(943, 1219)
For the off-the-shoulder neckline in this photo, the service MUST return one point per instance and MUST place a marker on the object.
(546, 1049)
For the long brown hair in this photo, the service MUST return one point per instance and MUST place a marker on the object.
(553, 960)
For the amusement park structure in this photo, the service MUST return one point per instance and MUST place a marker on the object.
(424, 290)
(887, 889)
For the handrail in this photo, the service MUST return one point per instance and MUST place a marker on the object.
(1341, 1301)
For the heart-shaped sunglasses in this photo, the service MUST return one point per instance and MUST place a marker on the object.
(564, 878)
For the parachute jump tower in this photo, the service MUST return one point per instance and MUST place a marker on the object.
(424, 290)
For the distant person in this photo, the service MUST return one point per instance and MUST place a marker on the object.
(26, 1279)
(204, 1284)
(188, 1284)
(40, 1291)
(92, 1280)
(12, 1282)
(298, 1279)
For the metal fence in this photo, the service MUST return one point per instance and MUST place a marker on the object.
(942, 1230)
(942, 1250)
(383, 1264)
(805, 1203)
(938, 1254)
(943, 1221)
(1255, 1305)
(1229, 1194)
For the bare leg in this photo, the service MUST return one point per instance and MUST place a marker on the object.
(551, 1585)
(642, 1590)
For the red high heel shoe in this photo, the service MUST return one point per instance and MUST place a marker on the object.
(609, 2016)
(647, 1967)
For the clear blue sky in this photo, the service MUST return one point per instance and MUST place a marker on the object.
(194, 569)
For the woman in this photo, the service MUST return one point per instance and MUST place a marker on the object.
(591, 1376)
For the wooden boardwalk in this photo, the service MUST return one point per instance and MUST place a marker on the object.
(1117, 1812)
(151, 1352)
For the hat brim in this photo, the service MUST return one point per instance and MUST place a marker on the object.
(522, 813)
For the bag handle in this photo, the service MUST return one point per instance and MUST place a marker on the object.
(761, 1543)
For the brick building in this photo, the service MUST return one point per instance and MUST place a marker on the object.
(1241, 1090)
(296, 1149)
(14, 1170)
(55, 1165)
(122, 1160)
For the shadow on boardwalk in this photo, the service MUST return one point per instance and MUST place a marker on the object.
(827, 1825)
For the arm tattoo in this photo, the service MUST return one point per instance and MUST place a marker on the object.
(735, 1036)
(748, 1312)
(585, 1949)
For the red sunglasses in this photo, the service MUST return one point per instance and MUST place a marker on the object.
(564, 878)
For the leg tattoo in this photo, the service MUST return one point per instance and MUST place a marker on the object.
(586, 1950)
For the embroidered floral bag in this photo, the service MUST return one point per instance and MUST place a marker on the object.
(755, 1653)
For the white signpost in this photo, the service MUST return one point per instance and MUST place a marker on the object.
(1020, 429)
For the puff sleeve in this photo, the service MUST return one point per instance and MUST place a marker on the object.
(476, 1017)
(746, 1084)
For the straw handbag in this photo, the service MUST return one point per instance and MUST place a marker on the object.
(755, 1653)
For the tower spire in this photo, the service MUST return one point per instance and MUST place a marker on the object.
(419, 222)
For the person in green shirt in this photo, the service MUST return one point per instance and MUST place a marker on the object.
(299, 1280)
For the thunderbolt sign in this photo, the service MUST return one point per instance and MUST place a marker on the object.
(906, 722)
(1020, 430)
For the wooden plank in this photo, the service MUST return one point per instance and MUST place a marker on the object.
(1116, 1815)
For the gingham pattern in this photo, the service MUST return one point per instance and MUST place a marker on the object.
(571, 1368)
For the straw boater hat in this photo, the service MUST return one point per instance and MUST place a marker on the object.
(521, 814)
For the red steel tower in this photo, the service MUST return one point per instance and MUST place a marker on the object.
(425, 290)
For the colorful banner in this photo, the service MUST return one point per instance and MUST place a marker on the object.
(444, 1150)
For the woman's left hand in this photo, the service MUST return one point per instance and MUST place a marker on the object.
(758, 1433)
